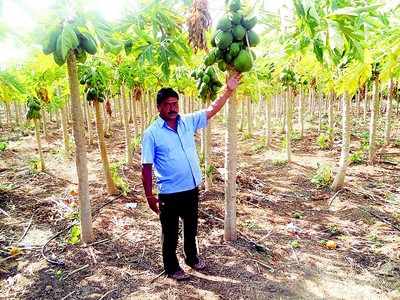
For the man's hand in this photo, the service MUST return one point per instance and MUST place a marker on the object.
(153, 203)
(231, 85)
(233, 81)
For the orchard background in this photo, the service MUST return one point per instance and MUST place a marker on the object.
(301, 193)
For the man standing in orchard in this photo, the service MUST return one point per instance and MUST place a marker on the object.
(168, 144)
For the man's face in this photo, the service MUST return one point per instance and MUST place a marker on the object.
(169, 108)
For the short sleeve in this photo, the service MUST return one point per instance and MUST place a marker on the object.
(147, 148)
(198, 119)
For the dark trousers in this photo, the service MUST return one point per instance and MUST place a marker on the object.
(172, 206)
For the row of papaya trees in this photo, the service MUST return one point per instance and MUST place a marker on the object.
(328, 60)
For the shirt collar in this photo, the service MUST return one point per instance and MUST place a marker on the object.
(162, 123)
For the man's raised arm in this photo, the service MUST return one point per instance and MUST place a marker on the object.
(230, 87)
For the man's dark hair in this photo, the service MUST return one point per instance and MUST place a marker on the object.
(165, 93)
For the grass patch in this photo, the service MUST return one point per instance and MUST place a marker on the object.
(323, 176)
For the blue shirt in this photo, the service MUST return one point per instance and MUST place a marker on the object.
(173, 153)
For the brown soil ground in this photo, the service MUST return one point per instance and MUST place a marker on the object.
(283, 220)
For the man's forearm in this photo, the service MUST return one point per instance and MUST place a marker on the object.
(219, 103)
(147, 180)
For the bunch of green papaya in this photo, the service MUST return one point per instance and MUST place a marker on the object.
(207, 82)
(232, 40)
(33, 104)
(95, 88)
(84, 41)
(288, 77)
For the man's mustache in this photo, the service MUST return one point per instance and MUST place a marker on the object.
(172, 112)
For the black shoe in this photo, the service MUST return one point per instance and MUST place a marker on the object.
(179, 275)
(200, 265)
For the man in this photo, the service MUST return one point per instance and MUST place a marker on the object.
(168, 144)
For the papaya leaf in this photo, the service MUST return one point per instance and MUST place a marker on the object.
(69, 40)
(318, 50)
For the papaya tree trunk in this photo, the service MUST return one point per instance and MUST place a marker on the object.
(134, 114)
(8, 114)
(319, 104)
(230, 233)
(365, 113)
(373, 122)
(149, 103)
(125, 112)
(17, 116)
(311, 96)
(89, 122)
(130, 107)
(288, 125)
(142, 115)
(1, 116)
(121, 117)
(268, 123)
(249, 119)
(58, 117)
(283, 105)
(39, 144)
(330, 110)
(389, 109)
(344, 156)
(111, 188)
(301, 113)
(80, 152)
(45, 131)
(241, 115)
(64, 127)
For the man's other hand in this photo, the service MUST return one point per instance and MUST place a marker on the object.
(153, 203)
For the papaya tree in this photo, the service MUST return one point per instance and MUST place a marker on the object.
(232, 57)
(34, 107)
(96, 77)
(69, 41)
(289, 82)
(10, 87)
(389, 51)
(344, 27)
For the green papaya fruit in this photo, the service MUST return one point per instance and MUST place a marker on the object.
(234, 49)
(206, 79)
(228, 58)
(243, 62)
(128, 45)
(239, 32)
(234, 5)
(203, 90)
(235, 18)
(223, 40)
(222, 65)
(249, 23)
(209, 59)
(224, 24)
(253, 39)
(218, 53)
